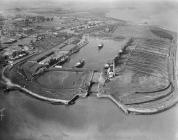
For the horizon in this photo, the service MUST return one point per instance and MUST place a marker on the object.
(6, 4)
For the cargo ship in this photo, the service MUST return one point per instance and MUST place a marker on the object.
(80, 63)
(100, 46)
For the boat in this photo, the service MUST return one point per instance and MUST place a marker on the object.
(100, 45)
(106, 66)
(80, 63)
(63, 60)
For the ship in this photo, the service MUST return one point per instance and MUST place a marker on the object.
(64, 59)
(100, 45)
(80, 63)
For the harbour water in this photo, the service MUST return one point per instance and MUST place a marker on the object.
(95, 58)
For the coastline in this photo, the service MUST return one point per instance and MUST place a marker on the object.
(127, 109)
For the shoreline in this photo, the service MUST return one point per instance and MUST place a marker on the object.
(127, 109)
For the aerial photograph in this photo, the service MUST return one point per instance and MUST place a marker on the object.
(88, 70)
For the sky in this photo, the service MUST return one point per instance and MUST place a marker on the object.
(8, 4)
(66, 1)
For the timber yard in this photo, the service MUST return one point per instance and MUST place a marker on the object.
(61, 58)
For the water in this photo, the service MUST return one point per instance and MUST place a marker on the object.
(89, 118)
(95, 58)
